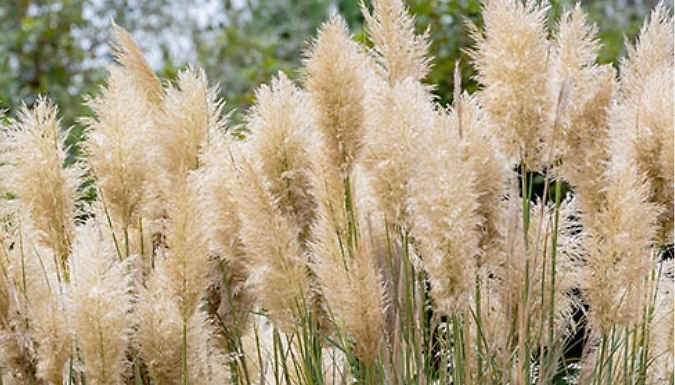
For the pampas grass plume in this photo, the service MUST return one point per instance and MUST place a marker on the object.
(280, 144)
(136, 68)
(355, 276)
(512, 61)
(336, 71)
(186, 257)
(399, 51)
(47, 191)
(160, 328)
(445, 220)
(116, 146)
(276, 261)
(397, 116)
(39, 295)
(100, 306)
(580, 151)
(189, 114)
(643, 117)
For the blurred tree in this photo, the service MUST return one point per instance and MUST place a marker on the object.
(617, 20)
(256, 41)
(59, 47)
(41, 52)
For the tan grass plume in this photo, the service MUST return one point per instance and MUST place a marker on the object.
(399, 51)
(136, 68)
(580, 152)
(280, 144)
(643, 117)
(116, 147)
(445, 220)
(100, 306)
(46, 189)
(336, 69)
(512, 60)
(276, 261)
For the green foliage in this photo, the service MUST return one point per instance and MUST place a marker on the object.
(446, 21)
(41, 52)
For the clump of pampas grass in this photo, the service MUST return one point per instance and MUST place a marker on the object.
(360, 232)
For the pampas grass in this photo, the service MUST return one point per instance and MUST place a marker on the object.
(360, 232)
(100, 304)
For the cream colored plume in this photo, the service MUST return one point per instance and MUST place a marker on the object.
(336, 71)
(186, 258)
(136, 68)
(445, 221)
(642, 120)
(276, 261)
(280, 144)
(619, 250)
(116, 145)
(399, 51)
(396, 118)
(207, 362)
(512, 61)
(579, 151)
(344, 277)
(188, 115)
(100, 306)
(159, 336)
(47, 191)
(637, 212)
(217, 185)
(481, 154)
(39, 295)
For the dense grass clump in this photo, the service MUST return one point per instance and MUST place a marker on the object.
(360, 232)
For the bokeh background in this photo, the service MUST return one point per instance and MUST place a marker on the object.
(61, 47)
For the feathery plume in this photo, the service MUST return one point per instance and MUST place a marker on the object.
(216, 184)
(481, 154)
(336, 74)
(100, 306)
(207, 363)
(46, 189)
(619, 248)
(397, 117)
(160, 329)
(186, 260)
(116, 145)
(399, 51)
(276, 261)
(512, 61)
(444, 214)
(580, 152)
(49, 326)
(189, 114)
(280, 142)
(39, 305)
(652, 51)
(355, 276)
(642, 120)
(162, 343)
(220, 224)
(136, 68)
